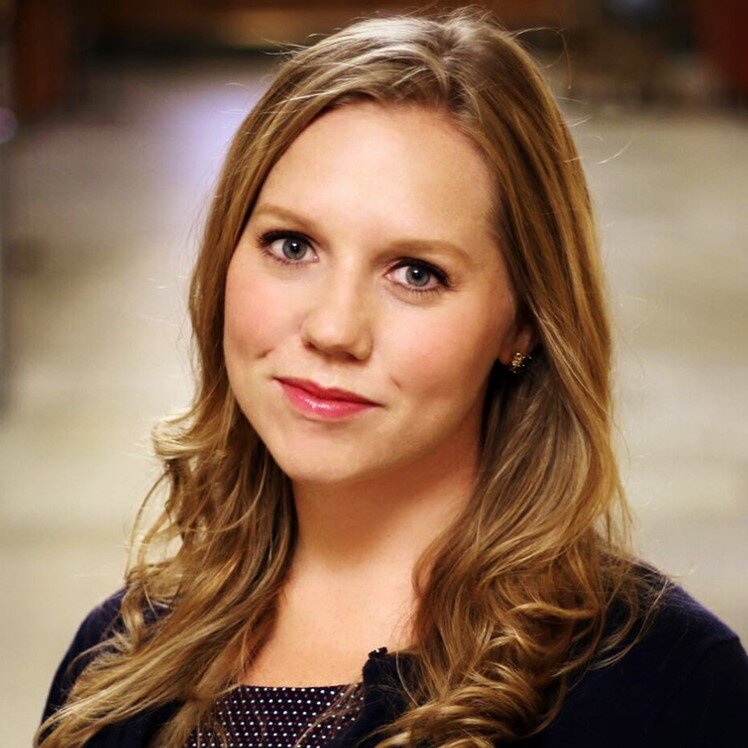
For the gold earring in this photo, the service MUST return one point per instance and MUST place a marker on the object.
(519, 362)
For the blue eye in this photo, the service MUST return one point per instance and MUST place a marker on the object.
(417, 276)
(293, 246)
(417, 271)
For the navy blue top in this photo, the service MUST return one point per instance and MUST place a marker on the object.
(278, 715)
(685, 684)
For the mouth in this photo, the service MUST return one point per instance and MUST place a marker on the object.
(332, 394)
(327, 408)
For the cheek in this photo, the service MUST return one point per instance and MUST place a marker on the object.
(448, 358)
(252, 319)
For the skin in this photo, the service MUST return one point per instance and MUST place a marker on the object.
(373, 490)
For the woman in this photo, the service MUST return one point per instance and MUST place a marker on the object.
(400, 442)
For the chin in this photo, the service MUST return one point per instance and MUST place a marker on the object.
(315, 470)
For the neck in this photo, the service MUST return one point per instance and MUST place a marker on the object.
(350, 588)
(377, 528)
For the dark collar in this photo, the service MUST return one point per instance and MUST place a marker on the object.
(384, 700)
(384, 697)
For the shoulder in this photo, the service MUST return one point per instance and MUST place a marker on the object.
(683, 682)
(680, 631)
(698, 686)
(99, 622)
(96, 627)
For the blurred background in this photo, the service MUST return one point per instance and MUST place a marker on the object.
(114, 118)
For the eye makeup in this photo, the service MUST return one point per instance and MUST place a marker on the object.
(266, 240)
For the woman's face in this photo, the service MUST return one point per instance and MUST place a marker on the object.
(368, 265)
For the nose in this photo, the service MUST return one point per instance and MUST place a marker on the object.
(337, 321)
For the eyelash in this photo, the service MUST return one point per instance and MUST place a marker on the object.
(265, 240)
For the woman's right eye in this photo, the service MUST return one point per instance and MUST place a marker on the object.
(284, 247)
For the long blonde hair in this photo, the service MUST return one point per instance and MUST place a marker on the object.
(515, 596)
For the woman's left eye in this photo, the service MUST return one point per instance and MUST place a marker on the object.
(418, 274)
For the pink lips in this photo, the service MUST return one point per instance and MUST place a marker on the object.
(308, 398)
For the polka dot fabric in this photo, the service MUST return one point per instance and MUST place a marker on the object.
(275, 717)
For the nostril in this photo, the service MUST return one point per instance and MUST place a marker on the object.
(337, 334)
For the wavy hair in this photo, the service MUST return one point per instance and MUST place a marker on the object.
(514, 598)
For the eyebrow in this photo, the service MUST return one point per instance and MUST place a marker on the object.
(439, 245)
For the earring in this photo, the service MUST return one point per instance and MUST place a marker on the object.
(519, 362)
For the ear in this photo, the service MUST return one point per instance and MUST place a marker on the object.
(523, 340)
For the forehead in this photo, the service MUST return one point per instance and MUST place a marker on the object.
(405, 168)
